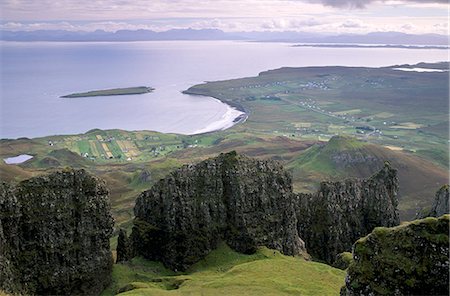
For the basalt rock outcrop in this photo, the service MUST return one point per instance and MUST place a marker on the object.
(124, 251)
(54, 235)
(245, 202)
(411, 259)
(332, 219)
(440, 204)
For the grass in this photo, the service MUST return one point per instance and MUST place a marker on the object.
(225, 272)
(281, 129)
(386, 248)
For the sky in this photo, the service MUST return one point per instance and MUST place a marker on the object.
(316, 16)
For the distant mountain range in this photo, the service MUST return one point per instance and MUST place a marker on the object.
(214, 34)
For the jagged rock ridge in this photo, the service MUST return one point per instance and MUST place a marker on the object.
(411, 259)
(245, 202)
(440, 203)
(250, 203)
(54, 235)
(332, 219)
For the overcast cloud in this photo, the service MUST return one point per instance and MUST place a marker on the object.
(329, 16)
(365, 3)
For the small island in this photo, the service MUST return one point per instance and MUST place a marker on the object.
(112, 92)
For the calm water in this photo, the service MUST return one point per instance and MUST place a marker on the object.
(34, 75)
(18, 159)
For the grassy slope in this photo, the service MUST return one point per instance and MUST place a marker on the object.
(419, 179)
(278, 127)
(309, 161)
(225, 272)
(339, 99)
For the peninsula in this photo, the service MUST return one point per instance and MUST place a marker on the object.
(112, 92)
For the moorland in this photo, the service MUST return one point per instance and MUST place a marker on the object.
(321, 123)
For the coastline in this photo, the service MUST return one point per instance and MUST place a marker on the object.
(238, 118)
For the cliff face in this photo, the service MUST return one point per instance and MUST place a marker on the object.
(124, 252)
(440, 204)
(54, 235)
(245, 202)
(332, 219)
(410, 259)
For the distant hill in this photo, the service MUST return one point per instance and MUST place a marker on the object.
(58, 158)
(121, 35)
(215, 34)
(347, 157)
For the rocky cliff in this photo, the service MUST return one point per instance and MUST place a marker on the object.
(124, 251)
(411, 259)
(245, 202)
(440, 203)
(332, 219)
(54, 235)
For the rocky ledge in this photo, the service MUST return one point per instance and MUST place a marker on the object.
(54, 235)
(249, 203)
(245, 202)
(339, 213)
(411, 259)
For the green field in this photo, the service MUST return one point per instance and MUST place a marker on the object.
(380, 105)
(294, 116)
(293, 113)
(112, 92)
(225, 272)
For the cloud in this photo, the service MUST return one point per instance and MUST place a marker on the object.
(364, 3)
(290, 24)
(353, 24)
(324, 16)
(110, 26)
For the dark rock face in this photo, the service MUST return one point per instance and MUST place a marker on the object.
(332, 219)
(54, 235)
(123, 247)
(410, 259)
(440, 204)
(245, 202)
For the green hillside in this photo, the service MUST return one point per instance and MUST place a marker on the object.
(225, 272)
(344, 157)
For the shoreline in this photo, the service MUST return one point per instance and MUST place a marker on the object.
(220, 125)
(241, 118)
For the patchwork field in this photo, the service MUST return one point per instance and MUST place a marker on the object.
(293, 114)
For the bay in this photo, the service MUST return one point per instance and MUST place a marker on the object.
(35, 74)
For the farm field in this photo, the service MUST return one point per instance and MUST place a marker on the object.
(294, 116)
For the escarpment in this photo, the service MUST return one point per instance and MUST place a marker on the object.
(332, 219)
(245, 202)
(440, 204)
(54, 235)
(411, 259)
(249, 203)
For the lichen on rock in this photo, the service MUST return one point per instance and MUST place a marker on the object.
(333, 218)
(410, 259)
(245, 202)
(440, 204)
(124, 251)
(54, 235)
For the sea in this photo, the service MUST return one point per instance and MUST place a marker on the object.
(35, 74)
